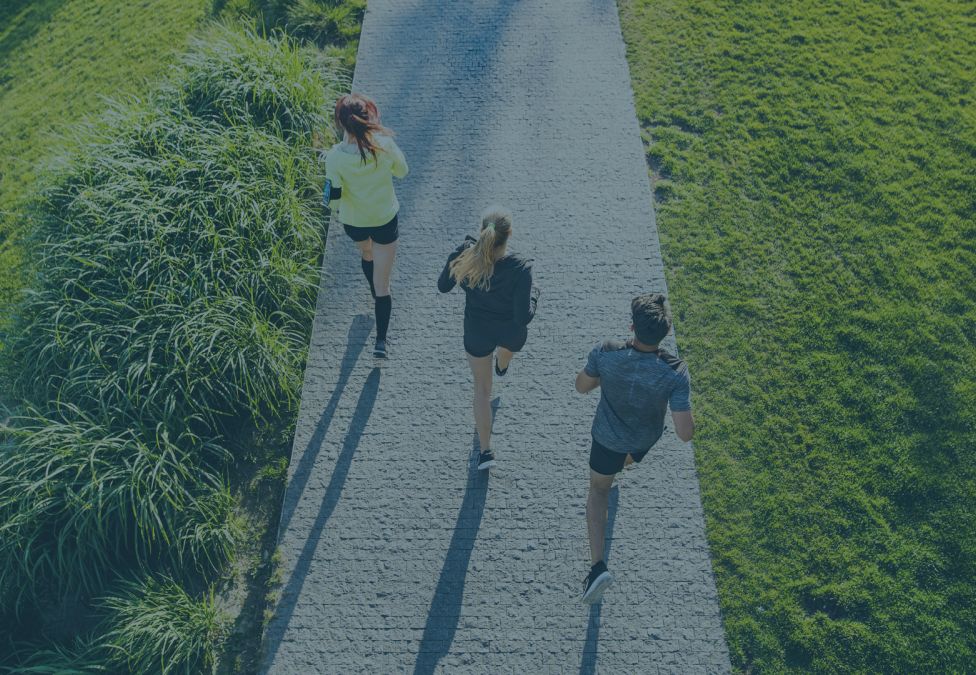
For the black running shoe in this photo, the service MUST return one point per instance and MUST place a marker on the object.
(486, 460)
(596, 582)
(379, 350)
(498, 371)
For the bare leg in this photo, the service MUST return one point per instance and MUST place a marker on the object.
(365, 249)
(504, 358)
(481, 369)
(596, 513)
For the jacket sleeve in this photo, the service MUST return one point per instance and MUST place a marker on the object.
(526, 297)
(400, 168)
(334, 178)
(446, 282)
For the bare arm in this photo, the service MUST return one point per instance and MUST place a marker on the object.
(684, 424)
(586, 383)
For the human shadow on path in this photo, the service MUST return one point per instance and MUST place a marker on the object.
(591, 646)
(359, 331)
(445, 608)
(293, 588)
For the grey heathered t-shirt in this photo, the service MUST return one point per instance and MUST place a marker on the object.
(635, 389)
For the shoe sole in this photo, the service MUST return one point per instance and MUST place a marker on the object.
(486, 465)
(594, 593)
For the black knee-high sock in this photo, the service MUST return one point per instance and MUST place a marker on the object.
(384, 307)
(368, 271)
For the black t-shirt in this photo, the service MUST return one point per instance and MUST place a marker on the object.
(510, 296)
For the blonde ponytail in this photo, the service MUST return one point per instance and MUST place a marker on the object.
(476, 264)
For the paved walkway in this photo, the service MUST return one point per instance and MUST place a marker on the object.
(397, 555)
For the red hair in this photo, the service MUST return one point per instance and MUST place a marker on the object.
(359, 115)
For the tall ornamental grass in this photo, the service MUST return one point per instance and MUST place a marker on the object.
(177, 263)
(326, 21)
(82, 657)
(80, 501)
(333, 25)
(151, 627)
(231, 78)
(157, 628)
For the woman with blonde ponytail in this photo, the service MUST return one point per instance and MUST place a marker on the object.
(500, 301)
(359, 173)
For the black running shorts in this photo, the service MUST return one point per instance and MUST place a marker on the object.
(482, 337)
(607, 462)
(384, 234)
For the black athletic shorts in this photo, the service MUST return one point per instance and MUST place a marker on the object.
(607, 462)
(384, 234)
(482, 337)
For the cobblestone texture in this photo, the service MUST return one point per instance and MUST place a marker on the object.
(397, 555)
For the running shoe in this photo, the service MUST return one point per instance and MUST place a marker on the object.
(498, 371)
(596, 582)
(486, 460)
(379, 350)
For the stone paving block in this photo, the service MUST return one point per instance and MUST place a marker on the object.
(397, 557)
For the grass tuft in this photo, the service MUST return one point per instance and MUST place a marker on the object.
(326, 22)
(83, 657)
(157, 628)
(79, 501)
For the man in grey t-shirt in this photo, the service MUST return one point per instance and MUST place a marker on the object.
(637, 382)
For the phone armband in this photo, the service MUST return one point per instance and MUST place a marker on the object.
(330, 193)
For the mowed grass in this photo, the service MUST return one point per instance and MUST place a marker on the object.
(814, 166)
(58, 59)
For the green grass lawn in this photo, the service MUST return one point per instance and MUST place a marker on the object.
(814, 166)
(58, 58)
